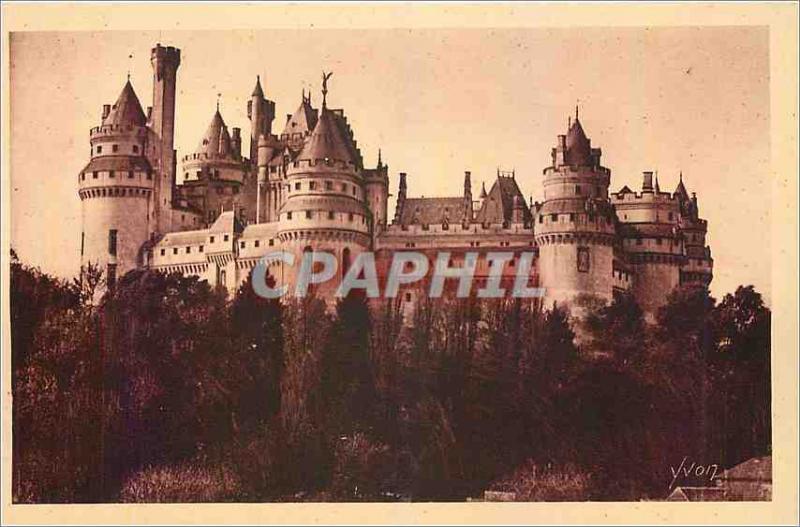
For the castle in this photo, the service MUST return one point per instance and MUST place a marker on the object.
(307, 188)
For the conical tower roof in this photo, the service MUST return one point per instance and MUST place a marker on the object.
(257, 91)
(579, 149)
(217, 140)
(127, 111)
(680, 190)
(326, 141)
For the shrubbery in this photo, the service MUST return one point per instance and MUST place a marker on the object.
(166, 390)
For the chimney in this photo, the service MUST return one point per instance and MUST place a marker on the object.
(647, 181)
(468, 184)
(106, 110)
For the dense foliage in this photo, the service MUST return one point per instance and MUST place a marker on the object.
(166, 390)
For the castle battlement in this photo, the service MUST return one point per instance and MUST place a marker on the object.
(307, 189)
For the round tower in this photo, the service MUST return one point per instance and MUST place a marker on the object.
(116, 189)
(650, 231)
(376, 186)
(325, 205)
(574, 227)
(213, 176)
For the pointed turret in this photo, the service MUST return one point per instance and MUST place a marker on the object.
(680, 190)
(127, 111)
(578, 146)
(257, 91)
(216, 141)
(483, 190)
(326, 141)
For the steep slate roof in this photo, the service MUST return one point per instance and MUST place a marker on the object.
(579, 150)
(257, 91)
(327, 141)
(432, 211)
(216, 141)
(498, 206)
(303, 120)
(226, 222)
(126, 111)
(680, 190)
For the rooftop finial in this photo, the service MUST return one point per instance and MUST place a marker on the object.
(680, 177)
(325, 77)
(380, 161)
(218, 96)
(129, 75)
(576, 112)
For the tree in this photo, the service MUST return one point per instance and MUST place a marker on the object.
(742, 376)
(618, 329)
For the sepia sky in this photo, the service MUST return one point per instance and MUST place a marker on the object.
(438, 102)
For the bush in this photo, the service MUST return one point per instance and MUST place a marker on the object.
(186, 482)
(534, 482)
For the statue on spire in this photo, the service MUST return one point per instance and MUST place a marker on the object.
(325, 77)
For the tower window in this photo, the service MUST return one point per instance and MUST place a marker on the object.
(200, 249)
(175, 250)
(188, 250)
(541, 218)
(297, 186)
(330, 215)
(638, 241)
(211, 239)
(130, 174)
(577, 190)
(112, 242)
(83, 177)
(554, 217)
(94, 175)
(99, 149)
(354, 190)
(241, 245)
(308, 214)
(115, 148)
(258, 243)
(163, 252)
(225, 237)
(350, 216)
(288, 215)
(135, 149)
(111, 173)
(658, 241)
(328, 185)
(571, 216)
(670, 216)
(271, 242)
(312, 186)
